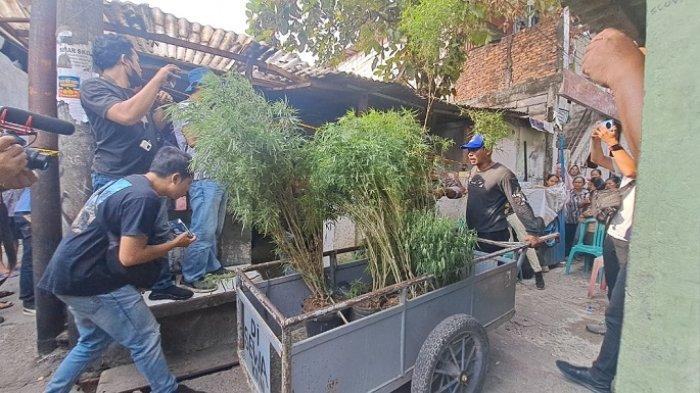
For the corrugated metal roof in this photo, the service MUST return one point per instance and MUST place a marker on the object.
(153, 20)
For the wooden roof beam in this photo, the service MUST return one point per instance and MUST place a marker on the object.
(202, 48)
(13, 20)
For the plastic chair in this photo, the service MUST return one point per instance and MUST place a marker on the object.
(595, 249)
(597, 276)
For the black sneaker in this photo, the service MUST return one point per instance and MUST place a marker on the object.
(539, 280)
(171, 293)
(201, 286)
(28, 308)
(186, 389)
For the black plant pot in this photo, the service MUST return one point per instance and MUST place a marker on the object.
(359, 311)
(322, 324)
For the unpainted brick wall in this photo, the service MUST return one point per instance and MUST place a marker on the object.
(529, 55)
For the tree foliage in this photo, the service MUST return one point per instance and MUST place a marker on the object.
(417, 42)
(491, 124)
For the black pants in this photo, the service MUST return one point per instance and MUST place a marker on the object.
(498, 236)
(611, 263)
(570, 234)
(605, 367)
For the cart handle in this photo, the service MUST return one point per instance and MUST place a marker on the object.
(509, 244)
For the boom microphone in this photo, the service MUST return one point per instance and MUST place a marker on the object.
(29, 120)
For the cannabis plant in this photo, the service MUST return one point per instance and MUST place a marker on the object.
(258, 153)
(437, 245)
(375, 168)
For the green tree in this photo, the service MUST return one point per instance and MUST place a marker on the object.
(421, 43)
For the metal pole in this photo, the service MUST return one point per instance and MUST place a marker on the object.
(46, 212)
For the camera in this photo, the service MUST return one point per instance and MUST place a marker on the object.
(18, 123)
(609, 124)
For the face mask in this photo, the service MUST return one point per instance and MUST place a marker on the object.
(135, 79)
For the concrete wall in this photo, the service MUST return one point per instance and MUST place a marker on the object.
(511, 153)
(661, 333)
(13, 84)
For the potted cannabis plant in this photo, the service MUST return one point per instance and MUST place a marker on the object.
(377, 169)
(256, 150)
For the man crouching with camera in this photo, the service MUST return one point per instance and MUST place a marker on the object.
(111, 251)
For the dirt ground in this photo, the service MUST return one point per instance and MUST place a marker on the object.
(548, 325)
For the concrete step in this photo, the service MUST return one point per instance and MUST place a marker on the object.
(207, 320)
(126, 378)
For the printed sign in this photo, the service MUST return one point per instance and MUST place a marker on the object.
(73, 66)
(68, 86)
(257, 351)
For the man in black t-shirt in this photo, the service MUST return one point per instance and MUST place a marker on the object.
(123, 120)
(113, 249)
(494, 194)
(126, 127)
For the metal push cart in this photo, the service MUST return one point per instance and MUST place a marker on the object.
(437, 339)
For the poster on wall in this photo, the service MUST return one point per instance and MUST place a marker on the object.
(73, 66)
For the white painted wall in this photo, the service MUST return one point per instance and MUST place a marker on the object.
(510, 152)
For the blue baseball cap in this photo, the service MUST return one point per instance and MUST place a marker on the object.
(195, 77)
(477, 142)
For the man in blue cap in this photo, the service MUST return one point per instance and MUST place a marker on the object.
(208, 202)
(494, 194)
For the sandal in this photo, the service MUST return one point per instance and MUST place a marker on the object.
(4, 305)
(6, 294)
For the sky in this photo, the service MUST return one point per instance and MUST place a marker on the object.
(224, 14)
(228, 14)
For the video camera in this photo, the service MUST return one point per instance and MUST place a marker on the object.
(18, 123)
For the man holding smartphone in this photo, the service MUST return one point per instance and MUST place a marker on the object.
(112, 250)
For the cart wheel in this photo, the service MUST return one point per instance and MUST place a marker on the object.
(453, 358)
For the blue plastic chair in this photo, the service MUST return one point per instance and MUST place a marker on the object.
(595, 249)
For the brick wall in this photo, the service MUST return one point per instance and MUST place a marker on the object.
(528, 56)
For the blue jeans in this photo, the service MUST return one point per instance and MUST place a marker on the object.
(208, 214)
(166, 279)
(26, 273)
(120, 316)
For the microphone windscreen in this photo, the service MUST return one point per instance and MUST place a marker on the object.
(40, 122)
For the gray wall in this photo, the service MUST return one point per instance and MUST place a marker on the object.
(14, 86)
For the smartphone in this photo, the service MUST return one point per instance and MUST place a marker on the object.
(178, 227)
(609, 124)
